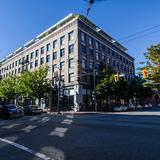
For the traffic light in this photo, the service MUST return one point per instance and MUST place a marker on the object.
(116, 77)
(145, 73)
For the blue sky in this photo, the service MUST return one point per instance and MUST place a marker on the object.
(22, 20)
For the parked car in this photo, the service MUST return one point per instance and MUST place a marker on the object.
(121, 108)
(131, 107)
(11, 111)
(32, 110)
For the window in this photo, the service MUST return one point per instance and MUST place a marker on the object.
(36, 63)
(15, 71)
(71, 36)
(62, 52)
(91, 52)
(103, 48)
(103, 57)
(13, 65)
(83, 48)
(71, 49)
(83, 63)
(19, 70)
(16, 63)
(71, 77)
(117, 55)
(71, 63)
(62, 40)
(32, 55)
(54, 67)
(113, 53)
(48, 47)
(10, 66)
(19, 61)
(108, 50)
(37, 52)
(54, 55)
(97, 56)
(27, 58)
(55, 44)
(90, 40)
(42, 60)
(83, 36)
(97, 45)
(91, 65)
(42, 50)
(62, 65)
(31, 65)
(47, 58)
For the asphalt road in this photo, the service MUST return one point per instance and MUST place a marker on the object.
(122, 136)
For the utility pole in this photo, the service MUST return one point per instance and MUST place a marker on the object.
(59, 90)
(94, 84)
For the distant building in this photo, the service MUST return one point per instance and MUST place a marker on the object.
(76, 46)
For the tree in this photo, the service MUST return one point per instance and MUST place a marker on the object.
(34, 84)
(152, 64)
(8, 88)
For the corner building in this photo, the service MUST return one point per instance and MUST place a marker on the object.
(76, 46)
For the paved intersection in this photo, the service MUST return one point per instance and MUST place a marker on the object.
(114, 136)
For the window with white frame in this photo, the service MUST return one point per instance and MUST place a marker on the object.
(71, 63)
(47, 58)
(71, 49)
(54, 55)
(48, 47)
(62, 52)
(71, 77)
(71, 36)
(62, 40)
(55, 44)
(62, 65)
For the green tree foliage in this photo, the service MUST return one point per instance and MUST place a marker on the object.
(34, 84)
(152, 64)
(29, 84)
(8, 88)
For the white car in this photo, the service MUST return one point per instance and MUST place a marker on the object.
(118, 109)
(131, 107)
(139, 106)
(146, 106)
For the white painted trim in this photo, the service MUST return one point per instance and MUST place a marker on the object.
(19, 146)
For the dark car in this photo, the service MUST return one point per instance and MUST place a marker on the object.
(11, 111)
(32, 110)
(1, 110)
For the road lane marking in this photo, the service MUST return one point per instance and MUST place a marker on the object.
(29, 128)
(11, 126)
(19, 146)
(45, 119)
(67, 121)
(59, 131)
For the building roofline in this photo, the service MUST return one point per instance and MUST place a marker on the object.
(61, 23)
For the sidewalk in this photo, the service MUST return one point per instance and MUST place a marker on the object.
(73, 113)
